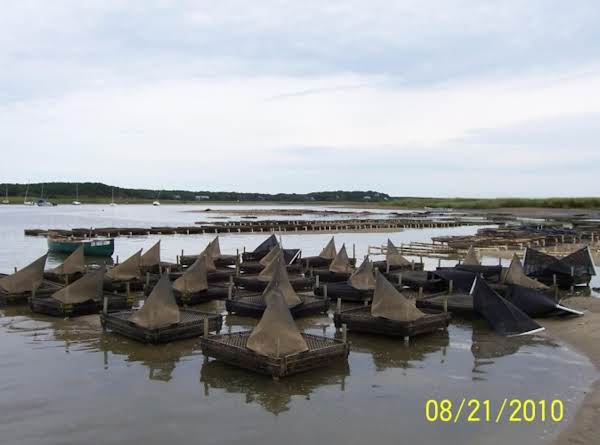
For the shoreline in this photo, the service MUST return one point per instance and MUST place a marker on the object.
(583, 334)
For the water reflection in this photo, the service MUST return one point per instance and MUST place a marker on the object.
(161, 360)
(274, 396)
(394, 353)
(487, 346)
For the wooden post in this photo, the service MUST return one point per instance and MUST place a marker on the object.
(230, 291)
(420, 292)
(15, 269)
(450, 287)
(147, 280)
(446, 304)
(317, 280)
(406, 339)
(205, 325)
(105, 305)
(439, 262)
(554, 280)
(412, 264)
(354, 251)
(338, 307)
(366, 302)
(387, 267)
(345, 333)
(400, 279)
(325, 292)
(117, 263)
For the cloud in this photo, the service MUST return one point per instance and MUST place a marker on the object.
(409, 97)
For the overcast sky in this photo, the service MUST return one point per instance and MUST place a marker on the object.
(411, 98)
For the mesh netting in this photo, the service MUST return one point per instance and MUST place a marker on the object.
(504, 317)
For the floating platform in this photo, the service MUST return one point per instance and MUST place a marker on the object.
(316, 262)
(458, 303)
(254, 306)
(326, 276)
(416, 279)
(231, 349)
(382, 267)
(361, 320)
(45, 290)
(220, 261)
(264, 227)
(254, 267)
(55, 308)
(192, 324)
(252, 283)
(210, 294)
(344, 291)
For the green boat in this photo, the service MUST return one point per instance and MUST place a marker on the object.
(91, 247)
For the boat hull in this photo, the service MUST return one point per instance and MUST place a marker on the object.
(105, 247)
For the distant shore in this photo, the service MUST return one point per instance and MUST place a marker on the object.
(534, 207)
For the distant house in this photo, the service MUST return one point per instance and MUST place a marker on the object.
(177, 197)
(202, 197)
(367, 198)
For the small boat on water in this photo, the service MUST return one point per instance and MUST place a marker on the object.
(25, 202)
(112, 201)
(6, 200)
(91, 247)
(76, 202)
(45, 203)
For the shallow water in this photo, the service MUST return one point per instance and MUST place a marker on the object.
(65, 381)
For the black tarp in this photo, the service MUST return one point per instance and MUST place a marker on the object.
(504, 317)
(536, 303)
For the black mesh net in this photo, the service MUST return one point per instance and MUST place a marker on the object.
(581, 262)
(290, 255)
(538, 264)
(489, 272)
(462, 280)
(266, 246)
(535, 302)
(504, 317)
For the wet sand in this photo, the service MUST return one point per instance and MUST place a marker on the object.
(584, 335)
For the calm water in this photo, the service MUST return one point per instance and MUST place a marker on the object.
(64, 381)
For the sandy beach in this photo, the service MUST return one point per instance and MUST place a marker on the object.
(584, 335)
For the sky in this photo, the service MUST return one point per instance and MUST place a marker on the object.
(411, 98)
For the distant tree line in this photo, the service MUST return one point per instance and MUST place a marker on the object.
(97, 190)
